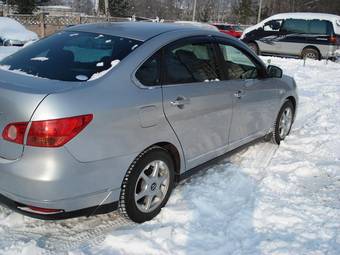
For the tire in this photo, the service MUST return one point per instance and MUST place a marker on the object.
(310, 53)
(283, 123)
(143, 195)
(254, 47)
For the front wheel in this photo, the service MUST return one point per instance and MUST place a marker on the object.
(147, 185)
(284, 122)
(254, 47)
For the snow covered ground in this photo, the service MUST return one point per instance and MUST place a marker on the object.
(262, 200)
(5, 51)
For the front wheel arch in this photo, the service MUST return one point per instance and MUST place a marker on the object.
(255, 47)
(274, 136)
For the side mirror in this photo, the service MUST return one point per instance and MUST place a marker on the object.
(274, 71)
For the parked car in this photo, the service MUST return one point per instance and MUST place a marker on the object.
(106, 116)
(312, 35)
(197, 24)
(229, 29)
(12, 33)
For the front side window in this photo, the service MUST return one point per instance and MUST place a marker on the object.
(71, 56)
(273, 25)
(189, 63)
(149, 73)
(236, 64)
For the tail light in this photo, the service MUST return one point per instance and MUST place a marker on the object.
(47, 133)
(332, 39)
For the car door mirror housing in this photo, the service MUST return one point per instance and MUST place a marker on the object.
(274, 72)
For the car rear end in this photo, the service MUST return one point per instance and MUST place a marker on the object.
(46, 115)
(23, 182)
(329, 44)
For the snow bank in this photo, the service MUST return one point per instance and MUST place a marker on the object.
(262, 200)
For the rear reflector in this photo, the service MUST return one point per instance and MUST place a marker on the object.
(39, 210)
(47, 133)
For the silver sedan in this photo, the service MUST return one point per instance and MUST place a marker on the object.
(111, 116)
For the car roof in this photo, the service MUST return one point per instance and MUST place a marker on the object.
(140, 31)
(334, 19)
(306, 15)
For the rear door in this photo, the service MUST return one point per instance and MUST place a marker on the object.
(196, 103)
(255, 98)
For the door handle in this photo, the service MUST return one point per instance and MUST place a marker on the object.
(239, 93)
(180, 102)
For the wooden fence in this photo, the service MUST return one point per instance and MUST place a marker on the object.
(45, 25)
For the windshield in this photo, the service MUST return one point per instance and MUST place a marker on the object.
(71, 56)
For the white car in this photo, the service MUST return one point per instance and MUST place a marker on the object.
(12, 33)
(303, 35)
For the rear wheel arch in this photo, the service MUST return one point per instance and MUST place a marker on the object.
(175, 155)
(312, 48)
(171, 150)
(128, 203)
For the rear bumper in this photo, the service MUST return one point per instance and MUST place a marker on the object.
(54, 179)
(328, 51)
(90, 211)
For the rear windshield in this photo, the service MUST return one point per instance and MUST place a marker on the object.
(71, 56)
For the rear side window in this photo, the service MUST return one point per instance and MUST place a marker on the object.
(298, 26)
(319, 27)
(189, 63)
(149, 73)
(71, 56)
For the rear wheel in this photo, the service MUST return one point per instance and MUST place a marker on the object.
(310, 53)
(254, 47)
(147, 185)
(283, 123)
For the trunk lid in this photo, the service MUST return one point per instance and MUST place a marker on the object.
(20, 95)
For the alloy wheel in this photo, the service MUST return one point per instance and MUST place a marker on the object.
(152, 186)
(285, 123)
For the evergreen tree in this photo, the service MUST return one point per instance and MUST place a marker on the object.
(206, 10)
(119, 7)
(244, 11)
(23, 6)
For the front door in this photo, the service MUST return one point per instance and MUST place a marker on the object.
(196, 103)
(255, 99)
(269, 37)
